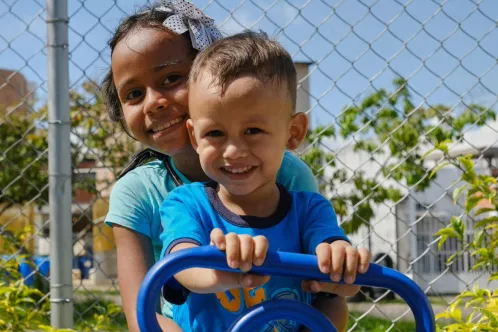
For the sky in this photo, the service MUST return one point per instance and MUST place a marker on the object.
(447, 50)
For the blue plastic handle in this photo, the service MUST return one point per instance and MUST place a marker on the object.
(256, 317)
(277, 264)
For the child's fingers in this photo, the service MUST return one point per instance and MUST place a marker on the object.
(252, 280)
(246, 252)
(218, 238)
(311, 286)
(338, 255)
(364, 260)
(260, 250)
(233, 250)
(324, 254)
(351, 264)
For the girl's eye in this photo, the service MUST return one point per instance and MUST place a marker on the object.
(134, 94)
(170, 79)
(253, 131)
(214, 133)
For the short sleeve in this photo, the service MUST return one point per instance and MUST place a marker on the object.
(319, 223)
(128, 205)
(181, 223)
(180, 220)
(295, 175)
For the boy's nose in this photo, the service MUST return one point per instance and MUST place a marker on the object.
(235, 149)
(155, 101)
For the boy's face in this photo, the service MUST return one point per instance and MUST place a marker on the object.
(241, 135)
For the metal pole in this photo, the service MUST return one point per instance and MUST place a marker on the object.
(59, 166)
(412, 217)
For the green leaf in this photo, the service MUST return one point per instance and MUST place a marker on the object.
(458, 192)
(472, 202)
(493, 277)
(444, 315)
(478, 266)
(481, 252)
(486, 221)
(451, 258)
(448, 232)
(483, 210)
(441, 242)
(438, 167)
(428, 153)
(491, 316)
(458, 226)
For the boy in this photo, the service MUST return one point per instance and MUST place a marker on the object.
(242, 95)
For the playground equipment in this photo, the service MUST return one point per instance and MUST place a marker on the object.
(276, 264)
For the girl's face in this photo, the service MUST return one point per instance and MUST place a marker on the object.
(150, 70)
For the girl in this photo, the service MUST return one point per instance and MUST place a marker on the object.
(145, 91)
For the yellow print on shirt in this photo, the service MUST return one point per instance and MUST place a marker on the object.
(238, 299)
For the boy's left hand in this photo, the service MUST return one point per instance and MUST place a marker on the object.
(336, 259)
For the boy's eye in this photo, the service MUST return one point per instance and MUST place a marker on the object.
(171, 79)
(214, 133)
(253, 131)
(134, 94)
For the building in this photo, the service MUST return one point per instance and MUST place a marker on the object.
(15, 95)
(401, 235)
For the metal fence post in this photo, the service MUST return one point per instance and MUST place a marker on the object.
(60, 197)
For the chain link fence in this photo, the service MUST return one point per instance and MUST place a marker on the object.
(382, 81)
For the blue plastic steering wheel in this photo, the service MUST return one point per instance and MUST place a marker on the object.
(277, 264)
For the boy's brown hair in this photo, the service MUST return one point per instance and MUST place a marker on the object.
(246, 53)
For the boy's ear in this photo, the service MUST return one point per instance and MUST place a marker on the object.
(298, 130)
(191, 135)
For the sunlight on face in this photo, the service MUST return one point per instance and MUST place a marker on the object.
(240, 135)
(150, 70)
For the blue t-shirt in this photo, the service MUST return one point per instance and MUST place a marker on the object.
(136, 198)
(301, 222)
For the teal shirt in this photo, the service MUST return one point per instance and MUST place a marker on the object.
(137, 197)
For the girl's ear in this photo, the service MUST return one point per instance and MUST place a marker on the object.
(191, 135)
(297, 131)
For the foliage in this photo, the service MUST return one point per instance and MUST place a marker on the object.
(21, 307)
(375, 324)
(27, 308)
(99, 316)
(391, 129)
(23, 162)
(24, 142)
(479, 192)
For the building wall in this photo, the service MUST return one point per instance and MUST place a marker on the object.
(405, 230)
(13, 91)
(17, 219)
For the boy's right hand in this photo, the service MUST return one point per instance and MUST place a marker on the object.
(242, 252)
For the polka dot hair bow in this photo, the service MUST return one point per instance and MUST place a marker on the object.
(187, 17)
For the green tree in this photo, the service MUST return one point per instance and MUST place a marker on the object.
(388, 126)
(24, 179)
(481, 205)
(24, 146)
(23, 162)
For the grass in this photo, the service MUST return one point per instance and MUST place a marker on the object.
(374, 324)
(434, 300)
(86, 310)
(97, 292)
